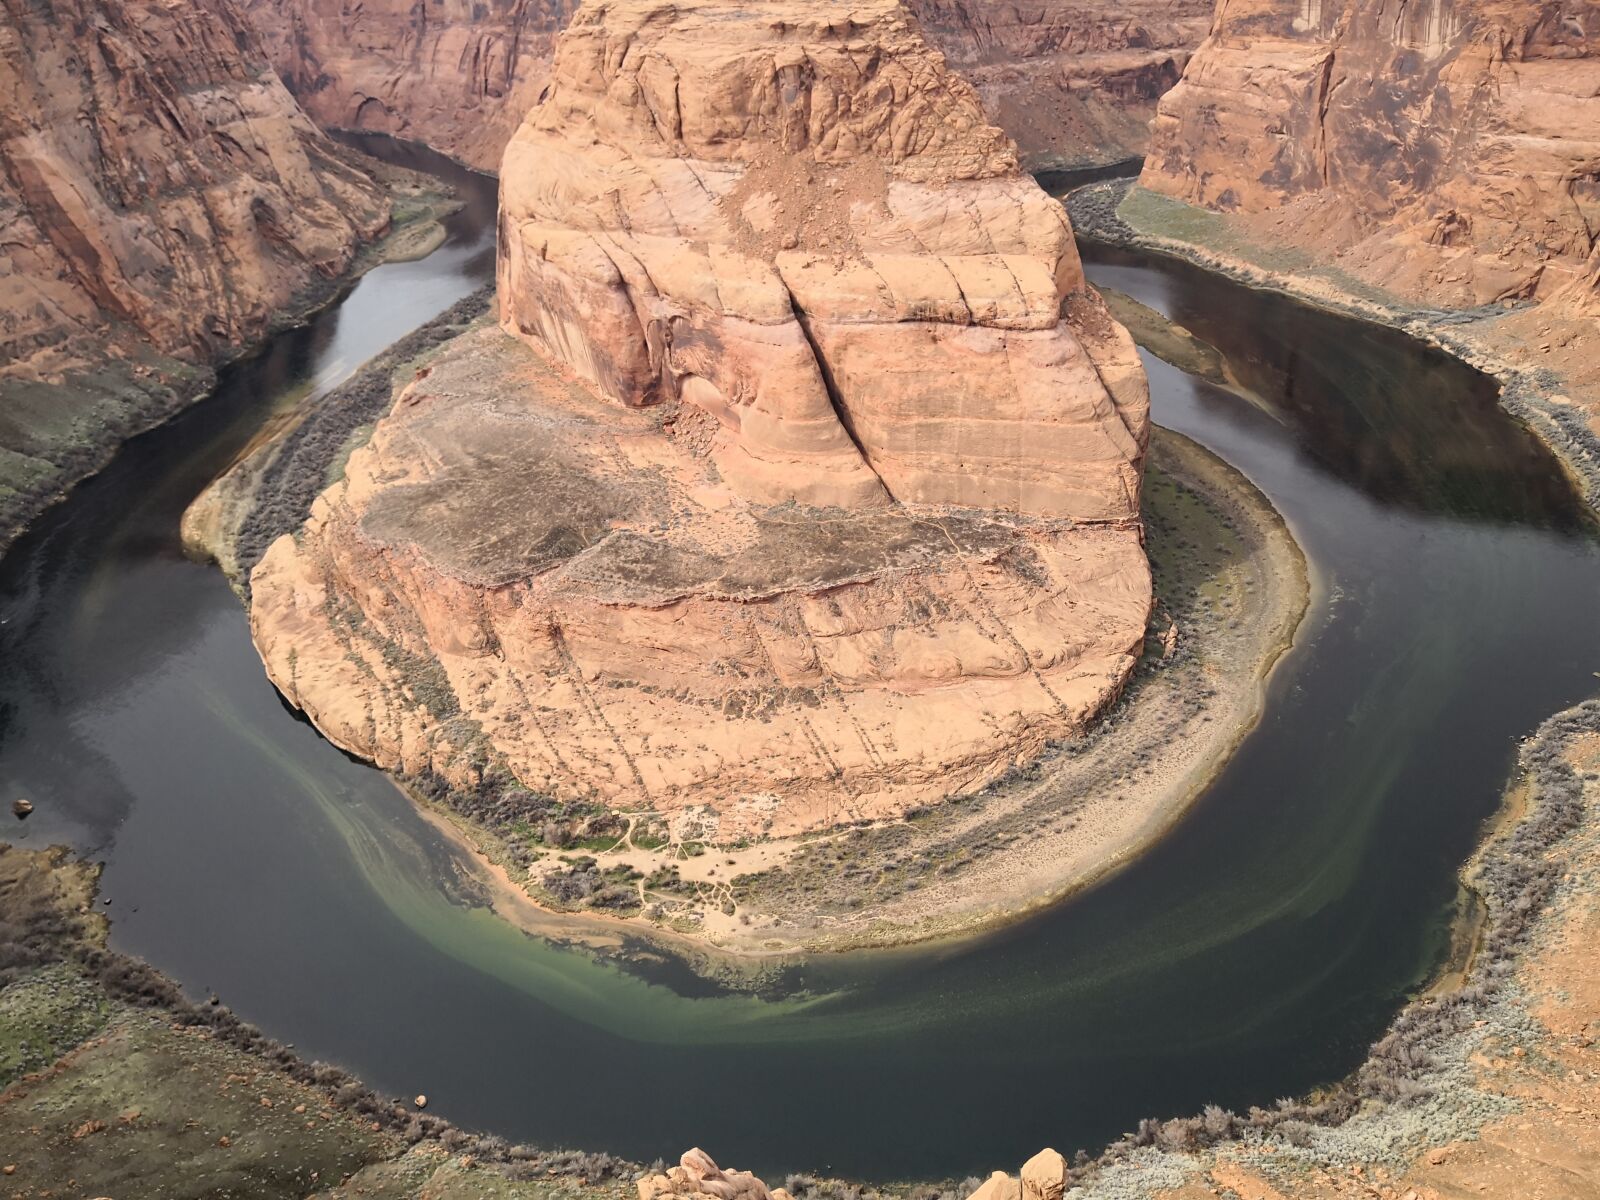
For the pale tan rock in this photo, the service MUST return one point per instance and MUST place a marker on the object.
(733, 527)
(910, 346)
(619, 622)
(697, 1175)
(1445, 151)
(1044, 1176)
(699, 1165)
(998, 1186)
(1071, 81)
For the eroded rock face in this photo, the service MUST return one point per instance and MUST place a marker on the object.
(805, 486)
(162, 201)
(155, 173)
(805, 231)
(1072, 82)
(1449, 150)
(457, 75)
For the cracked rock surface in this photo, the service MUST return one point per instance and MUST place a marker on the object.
(800, 484)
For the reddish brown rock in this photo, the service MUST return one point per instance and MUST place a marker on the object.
(1448, 151)
(457, 75)
(162, 201)
(155, 173)
(807, 488)
(1072, 82)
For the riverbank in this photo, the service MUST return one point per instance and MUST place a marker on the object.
(113, 1083)
(267, 490)
(82, 418)
(1547, 363)
(1489, 1087)
(1231, 590)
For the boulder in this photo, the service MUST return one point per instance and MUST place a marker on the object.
(1044, 1176)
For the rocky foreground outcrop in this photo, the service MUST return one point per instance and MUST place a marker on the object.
(1448, 151)
(162, 200)
(1072, 82)
(1043, 1177)
(806, 487)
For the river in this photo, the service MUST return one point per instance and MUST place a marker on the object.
(1253, 953)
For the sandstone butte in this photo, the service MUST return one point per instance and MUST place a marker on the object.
(1448, 151)
(162, 198)
(1070, 80)
(802, 483)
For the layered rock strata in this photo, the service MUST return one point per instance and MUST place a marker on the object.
(1072, 82)
(805, 487)
(154, 171)
(162, 200)
(458, 75)
(1447, 151)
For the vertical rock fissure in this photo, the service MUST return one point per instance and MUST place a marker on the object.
(835, 397)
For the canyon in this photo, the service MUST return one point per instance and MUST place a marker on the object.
(803, 443)
(1435, 166)
(801, 480)
(164, 202)
(1073, 83)
(1445, 151)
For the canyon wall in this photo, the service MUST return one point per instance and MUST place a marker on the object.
(801, 484)
(1448, 151)
(162, 200)
(457, 75)
(156, 173)
(1072, 82)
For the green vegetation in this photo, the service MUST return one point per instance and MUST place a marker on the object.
(44, 1015)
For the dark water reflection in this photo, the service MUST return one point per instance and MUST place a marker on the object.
(1252, 954)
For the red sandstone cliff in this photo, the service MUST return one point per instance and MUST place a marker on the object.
(1447, 150)
(1070, 81)
(802, 483)
(456, 74)
(154, 171)
(162, 200)
(1073, 82)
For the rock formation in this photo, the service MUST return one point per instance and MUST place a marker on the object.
(698, 1175)
(161, 194)
(1448, 151)
(807, 487)
(1043, 1177)
(1072, 82)
(457, 75)
(155, 172)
